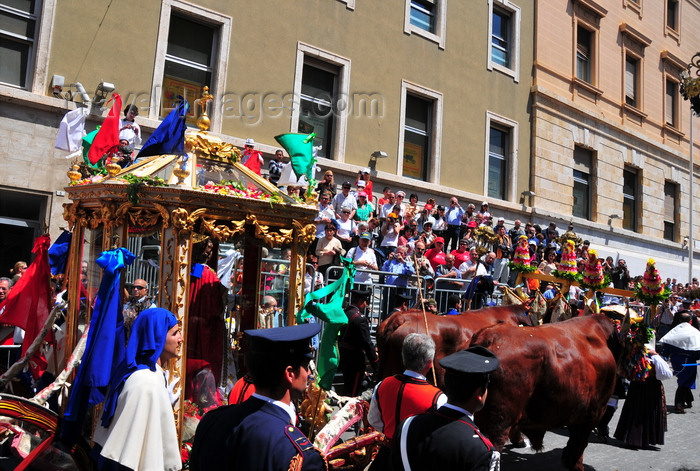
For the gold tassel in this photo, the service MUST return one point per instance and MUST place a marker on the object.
(297, 462)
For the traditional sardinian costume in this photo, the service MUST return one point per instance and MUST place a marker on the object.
(138, 430)
(643, 418)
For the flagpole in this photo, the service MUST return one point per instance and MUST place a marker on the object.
(691, 242)
(422, 301)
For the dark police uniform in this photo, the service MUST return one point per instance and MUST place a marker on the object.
(355, 343)
(447, 438)
(254, 435)
(443, 440)
(257, 435)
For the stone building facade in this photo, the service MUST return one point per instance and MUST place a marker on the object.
(492, 100)
(610, 129)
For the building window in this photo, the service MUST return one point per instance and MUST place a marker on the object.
(634, 45)
(582, 171)
(350, 4)
(584, 54)
(499, 143)
(189, 63)
(670, 210)
(19, 25)
(504, 32)
(423, 15)
(501, 157)
(191, 51)
(500, 38)
(630, 198)
(672, 14)
(321, 88)
(635, 5)
(318, 101)
(673, 68)
(426, 18)
(671, 103)
(419, 143)
(22, 218)
(416, 137)
(631, 81)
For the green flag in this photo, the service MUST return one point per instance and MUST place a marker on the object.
(333, 315)
(87, 143)
(300, 148)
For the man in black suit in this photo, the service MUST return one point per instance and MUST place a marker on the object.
(448, 438)
(355, 343)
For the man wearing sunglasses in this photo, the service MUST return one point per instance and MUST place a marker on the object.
(139, 301)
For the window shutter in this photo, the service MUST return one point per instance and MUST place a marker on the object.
(670, 103)
(630, 78)
(669, 202)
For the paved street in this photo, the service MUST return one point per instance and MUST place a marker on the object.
(681, 451)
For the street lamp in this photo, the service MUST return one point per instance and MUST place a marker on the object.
(377, 154)
(690, 89)
(527, 193)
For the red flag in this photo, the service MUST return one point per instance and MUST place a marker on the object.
(107, 138)
(253, 160)
(29, 302)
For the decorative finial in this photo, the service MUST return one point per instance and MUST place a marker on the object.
(203, 121)
(74, 174)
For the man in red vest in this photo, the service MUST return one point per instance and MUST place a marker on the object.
(252, 158)
(406, 394)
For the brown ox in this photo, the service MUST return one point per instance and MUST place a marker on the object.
(550, 376)
(450, 333)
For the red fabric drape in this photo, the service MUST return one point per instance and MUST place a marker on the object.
(206, 323)
(29, 302)
(107, 138)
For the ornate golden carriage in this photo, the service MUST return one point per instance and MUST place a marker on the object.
(164, 207)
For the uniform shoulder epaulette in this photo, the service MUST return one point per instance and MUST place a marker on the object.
(305, 449)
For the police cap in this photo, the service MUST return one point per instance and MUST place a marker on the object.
(472, 360)
(293, 340)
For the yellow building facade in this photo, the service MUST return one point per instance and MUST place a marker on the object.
(442, 88)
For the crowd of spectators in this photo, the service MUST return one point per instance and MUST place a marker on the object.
(446, 239)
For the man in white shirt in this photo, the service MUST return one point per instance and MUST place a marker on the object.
(387, 207)
(472, 267)
(344, 200)
(325, 215)
(364, 258)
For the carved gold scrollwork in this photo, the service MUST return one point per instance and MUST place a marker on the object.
(305, 235)
(184, 222)
(274, 239)
(201, 145)
(300, 262)
(108, 213)
(74, 214)
(93, 218)
(142, 218)
(222, 232)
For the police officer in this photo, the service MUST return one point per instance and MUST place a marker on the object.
(448, 438)
(260, 433)
(356, 343)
